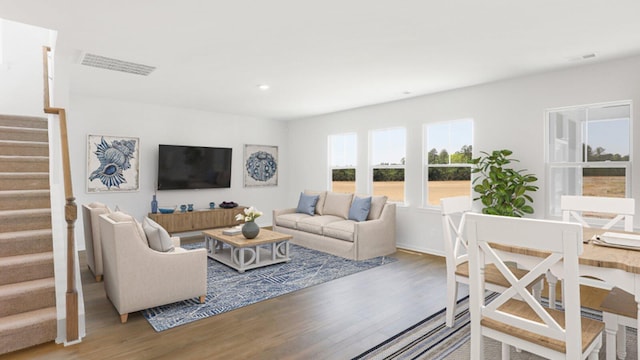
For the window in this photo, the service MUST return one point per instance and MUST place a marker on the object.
(447, 158)
(588, 152)
(388, 153)
(342, 162)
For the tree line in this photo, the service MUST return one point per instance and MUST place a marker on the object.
(464, 156)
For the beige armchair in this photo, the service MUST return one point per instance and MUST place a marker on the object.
(137, 277)
(90, 216)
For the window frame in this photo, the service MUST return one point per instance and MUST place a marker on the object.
(583, 164)
(333, 167)
(426, 165)
(372, 167)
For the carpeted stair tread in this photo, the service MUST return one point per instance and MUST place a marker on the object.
(24, 180)
(24, 199)
(23, 134)
(27, 329)
(27, 296)
(24, 148)
(26, 242)
(31, 317)
(24, 121)
(27, 258)
(8, 290)
(13, 163)
(14, 269)
(25, 219)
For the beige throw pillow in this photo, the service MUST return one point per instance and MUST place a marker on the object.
(377, 204)
(158, 237)
(119, 216)
(337, 204)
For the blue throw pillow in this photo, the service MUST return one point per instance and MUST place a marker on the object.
(360, 208)
(307, 203)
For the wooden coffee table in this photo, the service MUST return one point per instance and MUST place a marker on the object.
(269, 247)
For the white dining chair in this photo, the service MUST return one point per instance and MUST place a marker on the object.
(515, 318)
(452, 211)
(613, 311)
(622, 209)
(619, 310)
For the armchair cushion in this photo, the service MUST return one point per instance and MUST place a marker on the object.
(119, 216)
(157, 236)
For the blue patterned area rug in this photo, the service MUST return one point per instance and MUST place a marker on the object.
(228, 289)
(430, 339)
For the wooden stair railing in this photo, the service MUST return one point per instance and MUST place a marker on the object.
(70, 209)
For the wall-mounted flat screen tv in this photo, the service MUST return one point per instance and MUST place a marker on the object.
(193, 167)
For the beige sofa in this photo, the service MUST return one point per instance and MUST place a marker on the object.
(330, 230)
(137, 277)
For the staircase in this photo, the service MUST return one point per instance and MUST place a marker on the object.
(27, 286)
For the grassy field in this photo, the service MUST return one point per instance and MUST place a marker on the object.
(395, 189)
(611, 186)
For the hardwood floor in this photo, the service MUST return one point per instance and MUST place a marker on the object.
(335, 320)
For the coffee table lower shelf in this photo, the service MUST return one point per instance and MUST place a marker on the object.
(242, 254)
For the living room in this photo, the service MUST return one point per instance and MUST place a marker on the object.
(506, 112)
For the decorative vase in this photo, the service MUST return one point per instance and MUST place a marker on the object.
(154, 205)
(250, 229)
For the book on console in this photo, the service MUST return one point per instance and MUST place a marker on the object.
(232, 231)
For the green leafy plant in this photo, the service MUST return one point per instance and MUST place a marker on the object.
(503, 190)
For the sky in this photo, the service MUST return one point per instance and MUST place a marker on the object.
(607, 134)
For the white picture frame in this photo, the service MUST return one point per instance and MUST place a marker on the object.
(112, 163)
(260, 165)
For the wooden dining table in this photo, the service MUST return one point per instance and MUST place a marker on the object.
(616, 266)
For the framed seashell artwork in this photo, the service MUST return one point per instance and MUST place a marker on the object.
(260, 165)
(112, 163)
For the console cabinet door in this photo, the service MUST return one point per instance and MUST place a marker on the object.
(197, 220)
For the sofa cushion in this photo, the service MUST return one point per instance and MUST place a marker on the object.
(321, 198)
(307, 204)
(157, 236)
(290, 220)
(337, 204)
(314, 224)
(377, 204)
(343, 230)
(119, 216)
(360, 208)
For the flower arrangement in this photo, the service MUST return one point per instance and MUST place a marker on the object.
(250, 214)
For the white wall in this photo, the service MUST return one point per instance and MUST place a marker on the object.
(508, 114)
(155, 125)
(21, 68)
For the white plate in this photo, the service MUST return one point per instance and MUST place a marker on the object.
(629, 240)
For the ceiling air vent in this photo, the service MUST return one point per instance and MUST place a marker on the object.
(115, 64)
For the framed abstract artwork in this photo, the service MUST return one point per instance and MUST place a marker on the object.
(112, 163)
(260, 165)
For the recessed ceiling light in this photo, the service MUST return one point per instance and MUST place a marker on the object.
(263, 87)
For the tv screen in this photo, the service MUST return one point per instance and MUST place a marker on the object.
(193, 167)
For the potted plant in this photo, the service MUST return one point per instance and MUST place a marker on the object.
(503, 190)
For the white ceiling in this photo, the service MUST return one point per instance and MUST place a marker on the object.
(325, 55)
